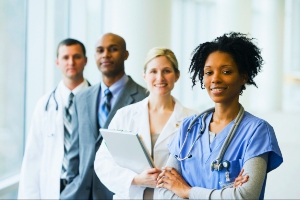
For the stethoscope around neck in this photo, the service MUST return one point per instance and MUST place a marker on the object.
(217, 164)
(53, 95)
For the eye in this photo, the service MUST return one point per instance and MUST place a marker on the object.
(77, 56)
(99, 50)
(167, 71)
(208, 73)
(152, 71)
(227, 71)
(113, 49)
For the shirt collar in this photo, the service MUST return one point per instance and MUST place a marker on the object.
(116, 87)
(65, 91)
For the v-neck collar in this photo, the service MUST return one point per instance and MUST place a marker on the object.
(217, 143)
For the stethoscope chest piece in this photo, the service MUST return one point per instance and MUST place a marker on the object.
(216, 166)
(226, 164)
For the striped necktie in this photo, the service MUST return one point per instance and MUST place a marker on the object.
(67, 132)
(106, 106)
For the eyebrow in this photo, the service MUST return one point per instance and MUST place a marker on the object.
(221, 66)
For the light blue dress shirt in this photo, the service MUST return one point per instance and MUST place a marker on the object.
(116, 90)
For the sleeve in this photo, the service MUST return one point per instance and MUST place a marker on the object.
(263, 140)
(72, 176)
(255, 168)
(164, 193)
(29, 185)
(116, 178)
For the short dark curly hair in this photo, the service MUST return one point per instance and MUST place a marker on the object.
(245, 53)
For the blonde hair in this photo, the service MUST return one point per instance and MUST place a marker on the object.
(161, 51)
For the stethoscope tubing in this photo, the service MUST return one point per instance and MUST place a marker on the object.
(231, 134)
(204, 113)
(52, 94)
(227, 140)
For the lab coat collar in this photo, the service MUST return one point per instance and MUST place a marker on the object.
(172, 125)
(142, 118)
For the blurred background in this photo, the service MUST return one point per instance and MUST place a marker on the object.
(31, 29)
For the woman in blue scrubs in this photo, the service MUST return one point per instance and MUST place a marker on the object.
(223, 67)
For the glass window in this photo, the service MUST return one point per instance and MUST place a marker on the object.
(12, 93)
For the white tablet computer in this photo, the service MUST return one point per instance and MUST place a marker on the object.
(127, 149)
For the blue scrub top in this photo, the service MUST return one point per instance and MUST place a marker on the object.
(253, 137)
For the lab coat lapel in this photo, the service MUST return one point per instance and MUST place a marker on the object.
(57, 153)
(60, 122)
(141, 118)
(59, 117)
(172, 125)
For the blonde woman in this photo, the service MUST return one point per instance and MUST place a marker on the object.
(157, 118)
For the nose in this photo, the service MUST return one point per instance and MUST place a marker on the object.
(216, 78)
(71, 61)
(160, 75)
(105, 53)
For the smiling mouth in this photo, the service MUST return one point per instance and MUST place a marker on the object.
(160, 85)
(219, 89)
(106, 63)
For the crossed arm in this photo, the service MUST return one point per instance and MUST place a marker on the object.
(173, 186)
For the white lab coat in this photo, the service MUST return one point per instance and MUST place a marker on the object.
(42, 162)
(135, 118)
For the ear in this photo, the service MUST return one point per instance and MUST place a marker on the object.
(244, 79)
(144, 76)
(126, 55)
(57, 62)
(86, 60)
(177, 76)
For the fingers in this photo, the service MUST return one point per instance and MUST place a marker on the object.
(161, 175)
(164, 182)
(165, 171)
(170, 169)
(245, 179)
(161, 180)
(241, 172)
(153, 170)
(241, 179)
(162, 185)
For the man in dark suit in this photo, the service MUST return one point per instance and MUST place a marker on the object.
(93, 109)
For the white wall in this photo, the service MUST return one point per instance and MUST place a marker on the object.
(282, 183)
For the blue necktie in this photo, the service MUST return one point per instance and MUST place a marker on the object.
(105, 108)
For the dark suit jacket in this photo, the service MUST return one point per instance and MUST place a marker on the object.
(83, 183)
